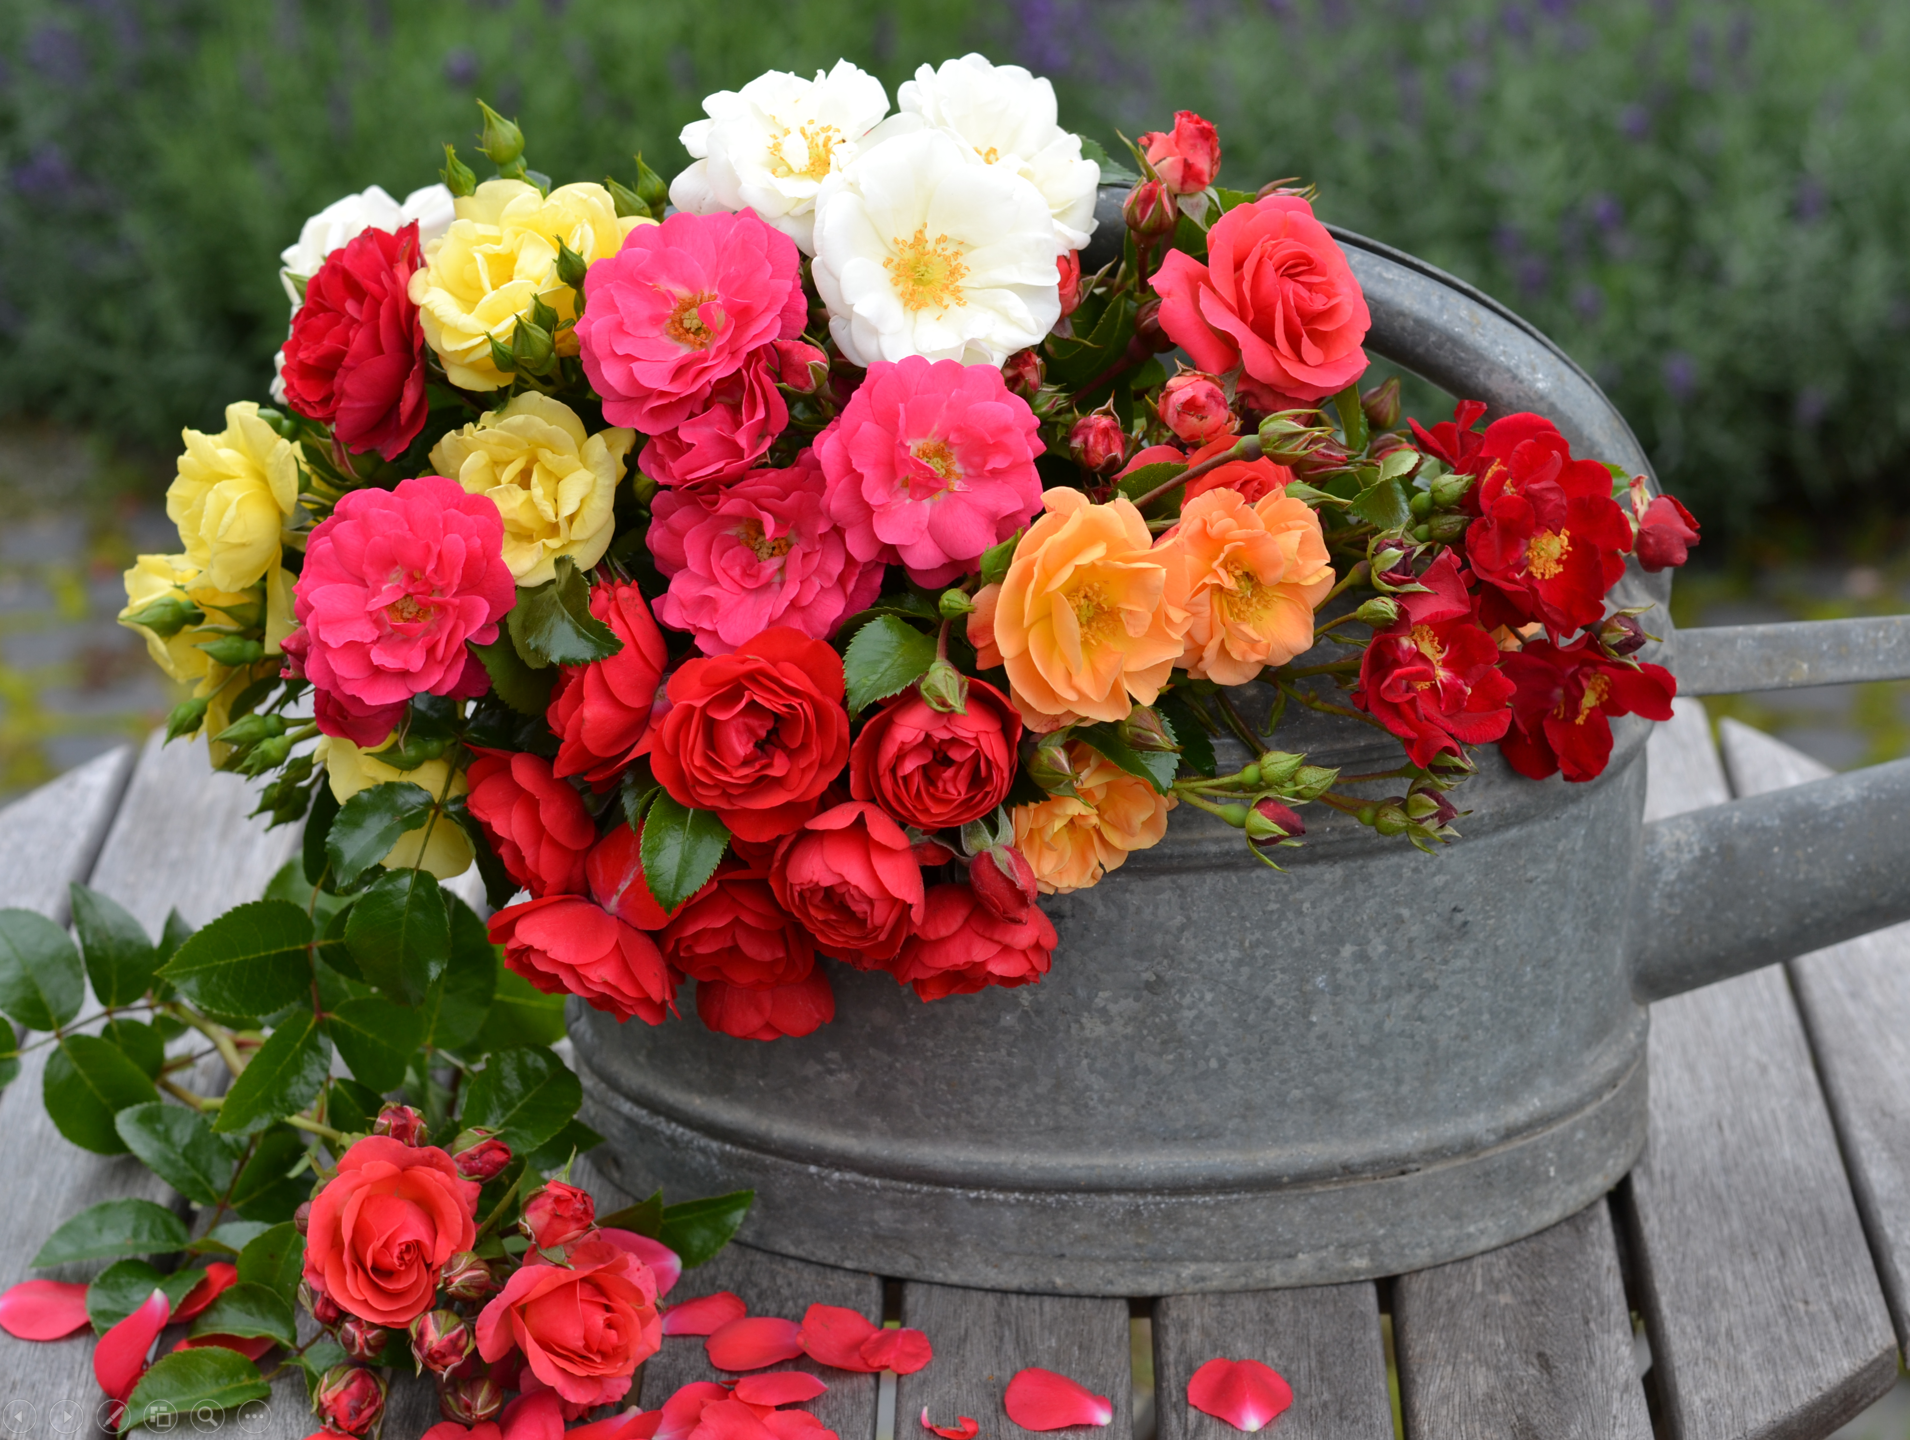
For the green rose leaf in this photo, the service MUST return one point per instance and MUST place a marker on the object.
(247, 1309)
(281, 1079)
(524, 1096)
(681, 849)
(886, 656)
(645, 1217)
(123, 1286)
(376, 1039)
(1384, 504)
(1157, 767)
(314, 860)
(184, 1381)
(574, 1139)
(525, 690)
(697, 1229)
(399, 934)
(552, 624)
(520, 1014)
(997, 558)
(141, 1044)
(274, 1260)
(41, 983)
(369, 824)
(1196, 745)
(229, 1238)
(251, 961)
(351, 1107)
(454, 1008)
(179, 1147)
(1150, 477)
(120, 958)
(112, 1229)
(265, 1189)
(89, 1081)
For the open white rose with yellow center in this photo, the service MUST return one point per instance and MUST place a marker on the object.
(233, 492)
(553, 485)
(921, 249)
(439, 847)
(1007, 116)
(499, 255)
(770, 145)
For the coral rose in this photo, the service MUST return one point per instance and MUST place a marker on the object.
(1562, 706)
(233, 493)
(681, 306)
(1080, 621)
(395, 582)
(1071, 843)
(934, 770)
(755, 735)
(601, 711)
(849, 878)
(440, 847)
(961, 946)
(1275, 296)
(735, 932)
(535, 822)
(381, 1229)
(1254, 479)
(930, 465)
(775, 1013)
(761, 552)
(568, 946)
(1247, 579)
(1186, 158)
(583, 1327)
(1195, 408)
(744, 414)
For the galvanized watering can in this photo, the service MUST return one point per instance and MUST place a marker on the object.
(1233, 1079)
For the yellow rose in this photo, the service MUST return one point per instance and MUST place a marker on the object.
(553, 486)
(350, 770)
(158, 578)
(1070, 844)
(498, 256)
(220, 688)
(233, 492)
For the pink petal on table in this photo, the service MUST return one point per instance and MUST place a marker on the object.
(683, 1409)
(537, 1416)
(664, 1262)
(795, 1425)
(834, 1335)
(1244, 1393)
(780, 1387)
(629, 1425)
(252, 1347)
(120, 1356)
(43, 1309)
(220, 1277)
(443, 1430)
(753, 1342)
(704, 1315)
(965, 1428)
(730, 1420)
(901, 1350)
(1040, 1399)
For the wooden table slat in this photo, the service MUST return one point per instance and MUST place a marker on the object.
(1761, 1300)
(49, 838)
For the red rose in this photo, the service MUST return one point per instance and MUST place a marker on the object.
(753, 1014)
(755, 735)
(355, 357)
(746, 412)
(849, 878)
(1276, 295)
(1003, 881)
(584, 1326)
(557, 1215)
(601, 711)
(1253, 479)
(535, 822)
(960, 946)
(568, 946)
(1436, 685)
(1560, 710)
(1187, 158)
(1549, 540)
(736, 933)
(1666, 533)
(614, 872)
(933, 770)
(1455, 441)
(381, 1230)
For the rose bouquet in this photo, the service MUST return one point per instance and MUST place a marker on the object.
(812, 560)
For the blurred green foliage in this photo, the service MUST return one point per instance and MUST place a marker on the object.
(1705, 201)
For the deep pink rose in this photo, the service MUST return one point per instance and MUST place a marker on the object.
(795, 1009)
(395, 582)
(745, 413)
(961, 946)
(931, 464)
(1276, 295)
(681, 307)
(1186, 158)
(565, 945)
(764, 552)
(849, 878)
(535, 822)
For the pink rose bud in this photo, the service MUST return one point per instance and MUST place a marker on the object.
(1272, 822)
(484, 1160)
(1195, 408)
(441, 1341)
(302, 1217)
(1147, 326)
(1097, 443)
(1186, 158)
(320, 1306)
(1381, 404)
(1666, 534)
(1622, 635)
(1003, 881)
(557, 1215)
(466, 1277)
(1023, 373)
(401, 1123)
(1069, 268)
(361, 1339)
(1150, 212)
(470, 1399)
(800, 366)
(349, 1399)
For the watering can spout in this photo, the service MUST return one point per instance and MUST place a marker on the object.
(1743, 885)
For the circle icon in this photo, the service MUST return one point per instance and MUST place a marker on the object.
(161, 1418)
(205, 1417)
(17, 1416)
(253, 1416)
(67, 1417)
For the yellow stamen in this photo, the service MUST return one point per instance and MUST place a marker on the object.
(407, 610)
(989, 156)
(750, 532)
(927, 275)
(936, 454)
(1596, 689)
(685, 325)
(819, 143)
(1545, 553)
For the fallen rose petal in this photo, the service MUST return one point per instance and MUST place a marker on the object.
(1244, 1393)
(630, 1425)
(43, 1309)
(250, 1346)
(1040, 1399)
(965, 1428)
(682, 1410)
(704, 1315)
(902, 1350)
(446, 1430)
(664, 1262)
(730, 1420)
(834, 1335)
(537, 1416)
(120, 1357)
(781, 1387)
(753, 1342)
(794, 1425)
(221, 1275)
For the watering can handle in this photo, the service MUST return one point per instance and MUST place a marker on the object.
(1735, 659)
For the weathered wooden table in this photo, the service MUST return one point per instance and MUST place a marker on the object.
(1749, 1279)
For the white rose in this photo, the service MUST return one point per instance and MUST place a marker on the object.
(347, 218)
(1007, 117)
(921, 249)
(770, 145)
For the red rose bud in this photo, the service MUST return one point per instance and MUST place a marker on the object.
(1003, 881)
(302, 1217)
(1068, 268)
(466, 1277)
(1381, 404)
(1022, 372)
(1286, 438)
(1147, 326)
(401, 1123)
(1431, 809)
(1271, 822)
(1622, 635)
(1665, 534)
(441, 1341)
(470, 1399)
(1323, 461)
(1150, 211)
(361, 1339)
(800, 366)
(1097, 443)
(320, 1306)
(484, 1160)
(557, 1215)
(349, 1399)
(1186, 158)
(1195, 408)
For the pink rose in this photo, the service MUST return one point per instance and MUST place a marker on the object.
(745, 414)
(583, 1327)
(1188, 157)
(930, 465)
(395, 582)
(764, 552)
(960, 946)
(682, 306)
(1276, 295)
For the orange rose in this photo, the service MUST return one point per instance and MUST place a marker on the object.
(1070, 844)
(1243, 581)
(1080, 622)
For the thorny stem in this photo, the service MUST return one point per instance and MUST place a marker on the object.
(312, 1127)
(217, 1034)
(1326, 707)
(1247, 449)
(1237, 723)
(201, 1103)
(1353, 577)
(497, 1212)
